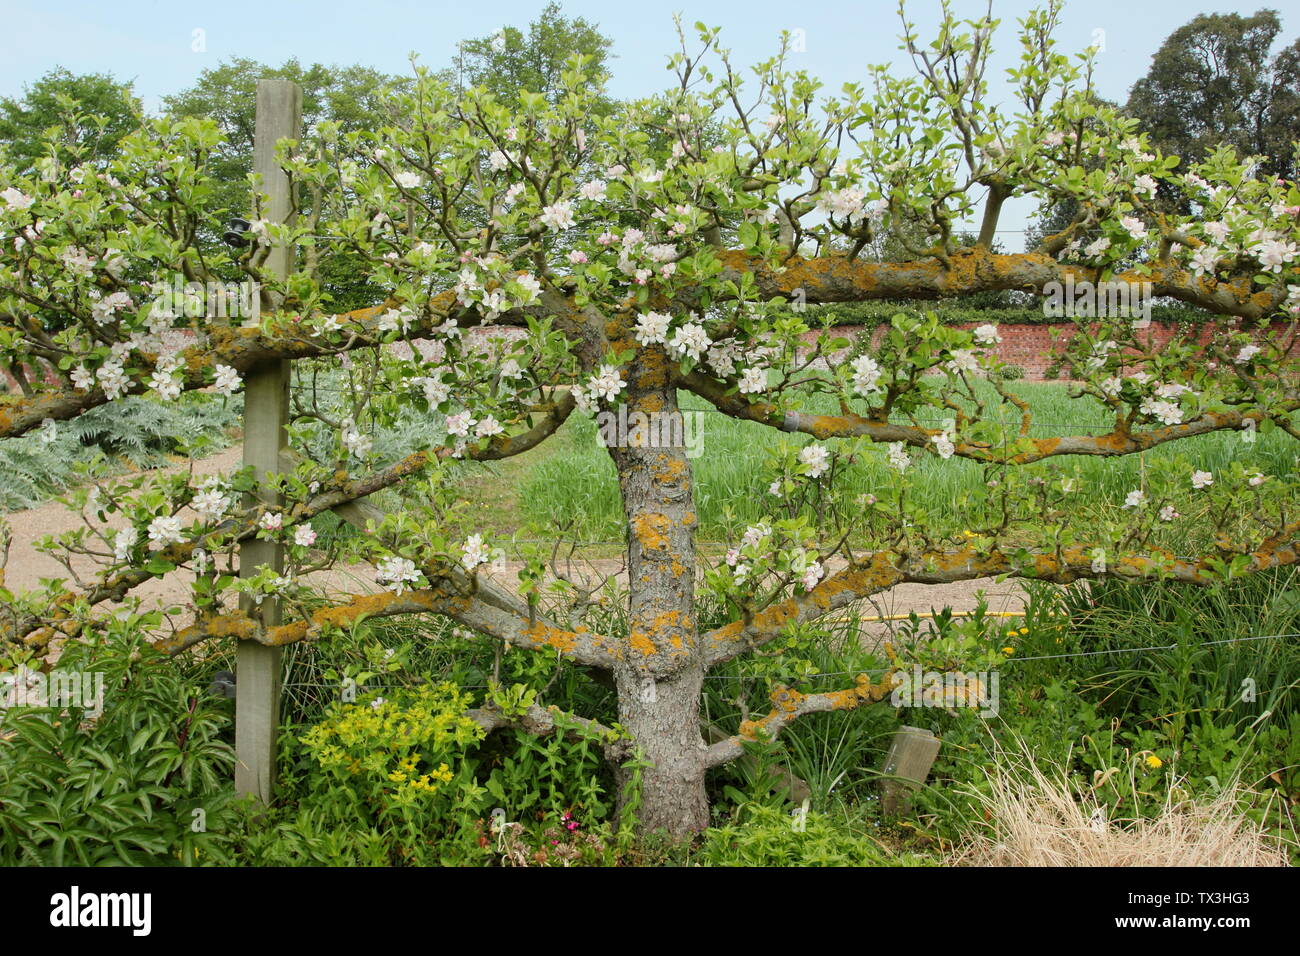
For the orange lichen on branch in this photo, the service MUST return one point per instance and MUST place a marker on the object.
(546, 635)
(641, 643)
(651, 530)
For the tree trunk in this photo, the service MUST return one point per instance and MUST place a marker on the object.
(661, 673)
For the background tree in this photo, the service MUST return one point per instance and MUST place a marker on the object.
(1214, 80)
(636, 268)
(91, 113)
(510, 61)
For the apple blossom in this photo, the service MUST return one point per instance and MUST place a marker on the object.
(164, 530)
(816, 458)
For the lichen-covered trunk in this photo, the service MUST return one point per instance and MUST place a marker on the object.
(660, 675)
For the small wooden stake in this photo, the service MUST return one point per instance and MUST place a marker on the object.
(911, 754)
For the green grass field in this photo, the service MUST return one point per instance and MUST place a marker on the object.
(570, 481)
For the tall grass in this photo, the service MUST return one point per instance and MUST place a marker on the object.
(578, 486)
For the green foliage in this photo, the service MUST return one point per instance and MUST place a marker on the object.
(400, 766)
(1140, 689)
(426, 778)
(1213, 81)
(773, 837)
(89, 114)
(511, 62)
(134, 431)
(144, 783)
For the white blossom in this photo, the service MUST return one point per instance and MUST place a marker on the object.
(816, 458)
(866, 375)
(397, 574)
(607, 383)
(754, 534)
(487, 427)
(228, 380)
(354, 440)
(164, 530)
(963, 360)
(558, 216)
(652, 328)
(753, 380)
(1134, 226)
(210, 503)
(474, 552)
(691, 340)
(1273, 254)
(112, 379)
(16, 199)
(123, 542)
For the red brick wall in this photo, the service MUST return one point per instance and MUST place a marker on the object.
(1029, 346)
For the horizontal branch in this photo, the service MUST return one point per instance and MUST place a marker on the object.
(841, 279)
(243, 349)
(883, 569)
(549, 721)
(1118, 441)
(820, 280)
(788, 705)
(471, 601)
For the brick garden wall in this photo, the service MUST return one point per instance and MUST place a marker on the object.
(1029, 346)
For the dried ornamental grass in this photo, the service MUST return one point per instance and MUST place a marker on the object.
(1037, 818)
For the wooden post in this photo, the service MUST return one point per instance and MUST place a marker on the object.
(911, 754)
(266, 412)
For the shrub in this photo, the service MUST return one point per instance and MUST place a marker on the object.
(145, 782)
(773, 837)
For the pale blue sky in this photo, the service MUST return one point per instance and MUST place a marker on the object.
(150, 42)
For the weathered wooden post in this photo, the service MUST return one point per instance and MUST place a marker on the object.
(266, 412)
(911, 754)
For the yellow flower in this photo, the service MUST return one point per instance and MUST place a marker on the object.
(1024, 630)
(1008, 651)
(1154, 762)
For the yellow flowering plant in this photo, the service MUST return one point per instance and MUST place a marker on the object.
(403, 765)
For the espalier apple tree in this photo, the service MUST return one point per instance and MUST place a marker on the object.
(661, 249)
